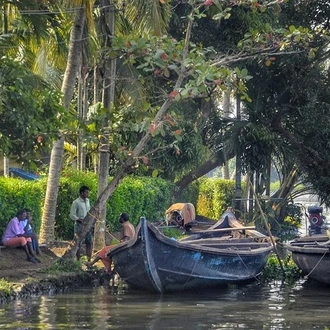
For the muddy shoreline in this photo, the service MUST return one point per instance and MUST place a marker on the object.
(54, 284)
(20, 279)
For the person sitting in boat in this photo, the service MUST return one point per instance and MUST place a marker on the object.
(127, 232)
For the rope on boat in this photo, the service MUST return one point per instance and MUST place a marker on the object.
(316, 265)
(255, 277)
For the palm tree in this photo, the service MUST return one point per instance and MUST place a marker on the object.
(70, 75)
(148, 11)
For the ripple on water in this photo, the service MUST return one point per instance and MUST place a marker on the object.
(301, 306)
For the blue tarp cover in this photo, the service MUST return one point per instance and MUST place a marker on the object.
(23, 174)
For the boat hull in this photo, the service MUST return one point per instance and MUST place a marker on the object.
(157, 263)
(314, 261)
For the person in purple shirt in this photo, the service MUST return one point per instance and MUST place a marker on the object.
(15, 236)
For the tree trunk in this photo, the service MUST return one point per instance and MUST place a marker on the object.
(226, 114)
(91, 217)
(80, 115)
(6, 166)
(206, 167)
(48, 217)
(238, 181)
(108, 29)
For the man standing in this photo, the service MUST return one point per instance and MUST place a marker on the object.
(79, 209)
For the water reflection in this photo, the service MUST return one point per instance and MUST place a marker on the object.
(303, 306)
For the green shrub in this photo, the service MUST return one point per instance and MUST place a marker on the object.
(138, 196)
(273, 271)
(16, 194)
(6, 288)
(215, 195)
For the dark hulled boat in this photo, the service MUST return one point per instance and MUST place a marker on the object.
(312, 256)
(151, 261)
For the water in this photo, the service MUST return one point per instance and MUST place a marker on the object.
(306, 305)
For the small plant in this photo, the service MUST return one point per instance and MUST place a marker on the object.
(65, 266)
(173, 233)
(273, 270)
(5, 287)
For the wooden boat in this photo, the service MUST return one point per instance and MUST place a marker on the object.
(151, 261)
(227, 226)
(312, 255)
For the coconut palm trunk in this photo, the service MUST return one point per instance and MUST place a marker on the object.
(48, 217)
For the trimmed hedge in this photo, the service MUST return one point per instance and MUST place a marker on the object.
(16, 194)
(138, 196)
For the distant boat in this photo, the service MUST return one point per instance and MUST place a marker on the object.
(312, 255)
(153, 262)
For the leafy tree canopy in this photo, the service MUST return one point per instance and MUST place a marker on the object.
(30, 112)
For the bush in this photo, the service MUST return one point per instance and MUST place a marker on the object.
(215, 195)
(6, 288)
(16, 194)
(273, 271)
(138, 196)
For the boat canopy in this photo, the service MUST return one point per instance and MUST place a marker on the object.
(180, 214)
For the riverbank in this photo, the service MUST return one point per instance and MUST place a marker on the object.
(20, 278)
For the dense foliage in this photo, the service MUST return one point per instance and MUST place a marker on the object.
(234, 47)
(30, 113)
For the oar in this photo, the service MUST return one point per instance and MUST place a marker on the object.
(224, 229)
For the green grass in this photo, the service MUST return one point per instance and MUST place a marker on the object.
(6, 287)
(173, 233)
(64, 266)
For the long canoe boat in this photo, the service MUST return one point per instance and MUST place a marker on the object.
(312, 256)
(153, 262)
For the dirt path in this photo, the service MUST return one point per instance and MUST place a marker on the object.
(15, 267)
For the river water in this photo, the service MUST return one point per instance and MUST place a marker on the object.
(304, 305)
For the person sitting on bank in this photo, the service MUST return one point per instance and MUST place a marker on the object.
(27, 226)
(15, 236)
(127, 233)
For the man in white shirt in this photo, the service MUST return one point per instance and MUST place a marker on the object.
(79, 209)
